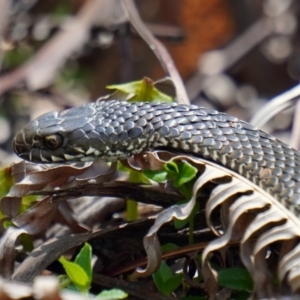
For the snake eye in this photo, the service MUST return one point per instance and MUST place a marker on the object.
(53, 141)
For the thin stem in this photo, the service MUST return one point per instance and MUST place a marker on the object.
(131, 210)
(295, 143)
(158, 48)
(275, 105)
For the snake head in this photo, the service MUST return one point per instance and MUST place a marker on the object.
(46, 139)
(58, 137)
(85, 133)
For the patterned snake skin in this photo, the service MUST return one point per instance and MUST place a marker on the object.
(112, 130)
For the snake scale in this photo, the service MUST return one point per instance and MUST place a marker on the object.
(112, 130)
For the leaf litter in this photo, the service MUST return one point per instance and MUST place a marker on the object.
(246, 215)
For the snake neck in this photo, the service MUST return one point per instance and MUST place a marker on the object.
(112, 130)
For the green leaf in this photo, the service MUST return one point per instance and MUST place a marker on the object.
(17, 56)
(235, 278)
(181, 173)
(64, 281)
(157, 176)
(76, 274)
(7, 223)
(27, 202)
(168, 247)
(6, 181)
(132, 213)
(131, 205)
(84, 260)
(63, 8)
(171, 168)
(181, 223)
(165, 280)
(137, 91)
(172, 284)
(187, 172)
(27, 242)
(240, 295)
(134, 176)
(164, 273)
(113, 294)
(137, 177)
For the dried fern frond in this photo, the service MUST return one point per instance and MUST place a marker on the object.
(249, 216)
(265, 219)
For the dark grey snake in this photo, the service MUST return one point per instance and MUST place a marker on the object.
(112, 130)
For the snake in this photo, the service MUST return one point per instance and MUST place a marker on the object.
(114, 130)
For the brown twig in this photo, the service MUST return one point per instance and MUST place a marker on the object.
(118, 189)
(158, 48)
(179, 252)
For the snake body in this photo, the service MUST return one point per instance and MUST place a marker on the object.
(112, 130)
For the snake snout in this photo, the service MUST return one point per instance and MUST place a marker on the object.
(20, 150)
(19, 145)
(24, 140)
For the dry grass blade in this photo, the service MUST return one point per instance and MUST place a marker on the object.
(158, 49)
(38, 217)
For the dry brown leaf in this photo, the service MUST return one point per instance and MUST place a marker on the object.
(67, 217)
(252, 217)
(10, 206)
(36, 219)
(250, 213)
(31, 177)
(7, 250)
(289, 266)
(262, 217)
